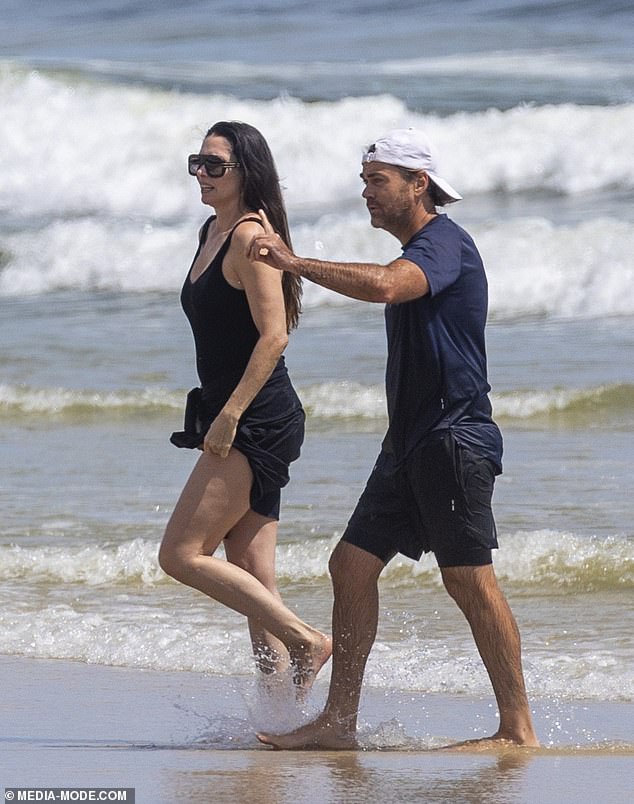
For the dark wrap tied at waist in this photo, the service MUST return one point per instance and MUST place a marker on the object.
(269, 434)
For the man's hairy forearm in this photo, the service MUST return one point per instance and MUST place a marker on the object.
(364, 281)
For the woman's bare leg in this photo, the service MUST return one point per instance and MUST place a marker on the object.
(251, 544)
(214, 500)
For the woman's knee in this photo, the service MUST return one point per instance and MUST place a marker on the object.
(166, 560)
(173, 561)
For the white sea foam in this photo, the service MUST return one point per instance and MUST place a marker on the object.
(551, 559)
(138, 168)
(132, 561)
(543, 64)
(160, 640)
(22, 399)
(534, 267)
(562, 560)
(539, 64)
(120, 212)
(145, 638)
(567, 271)
(113, 605)
(344, 400)
(426, 663)
(524, 404)
(329, 400)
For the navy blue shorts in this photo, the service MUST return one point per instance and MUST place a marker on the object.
(439, 501)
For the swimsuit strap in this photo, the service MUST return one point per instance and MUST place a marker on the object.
(205, 227)
(244, 220)
(225, 246)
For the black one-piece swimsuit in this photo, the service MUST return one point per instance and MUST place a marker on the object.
(271, 430)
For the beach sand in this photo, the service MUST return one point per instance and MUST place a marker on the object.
(187, 737)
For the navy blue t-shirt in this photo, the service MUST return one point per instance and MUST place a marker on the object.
(436, 375)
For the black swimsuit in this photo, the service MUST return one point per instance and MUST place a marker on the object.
(271, 430)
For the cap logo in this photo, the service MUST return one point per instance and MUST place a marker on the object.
(370, 154)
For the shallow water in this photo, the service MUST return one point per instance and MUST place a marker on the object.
(532, 113)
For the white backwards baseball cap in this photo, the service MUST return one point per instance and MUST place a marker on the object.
(410, 148)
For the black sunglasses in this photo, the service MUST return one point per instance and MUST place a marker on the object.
(214, 167)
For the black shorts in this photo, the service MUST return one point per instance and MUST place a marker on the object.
(439, 501)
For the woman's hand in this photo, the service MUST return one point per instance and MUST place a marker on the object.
(221, 435)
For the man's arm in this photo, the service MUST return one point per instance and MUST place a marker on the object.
(398, 281)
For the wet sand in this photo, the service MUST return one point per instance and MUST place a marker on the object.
(187, 737)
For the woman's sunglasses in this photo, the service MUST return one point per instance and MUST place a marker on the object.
(214, 167)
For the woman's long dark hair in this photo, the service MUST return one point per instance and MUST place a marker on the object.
(261, 190)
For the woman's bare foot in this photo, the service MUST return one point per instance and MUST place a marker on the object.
(308, 660)
(321, 733)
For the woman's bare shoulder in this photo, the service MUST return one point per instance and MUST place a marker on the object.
(246, 229)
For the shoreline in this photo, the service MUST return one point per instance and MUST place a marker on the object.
(180, 736)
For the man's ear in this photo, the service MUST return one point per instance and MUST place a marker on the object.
(421, 184)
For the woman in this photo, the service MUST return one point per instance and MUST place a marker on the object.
(246, 416)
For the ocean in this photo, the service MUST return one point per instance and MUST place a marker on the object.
(531, 106)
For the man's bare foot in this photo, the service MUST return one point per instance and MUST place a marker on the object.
(493, 743)
(319, 734)
(308, 660)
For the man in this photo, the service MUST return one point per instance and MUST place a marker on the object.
(431, 487)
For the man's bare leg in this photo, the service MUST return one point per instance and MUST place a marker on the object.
(478, 595)
(355, 574)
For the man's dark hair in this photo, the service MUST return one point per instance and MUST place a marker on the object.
(435, 194)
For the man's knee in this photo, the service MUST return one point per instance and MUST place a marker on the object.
(453, 579)
(469, 584)
(352, 567)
